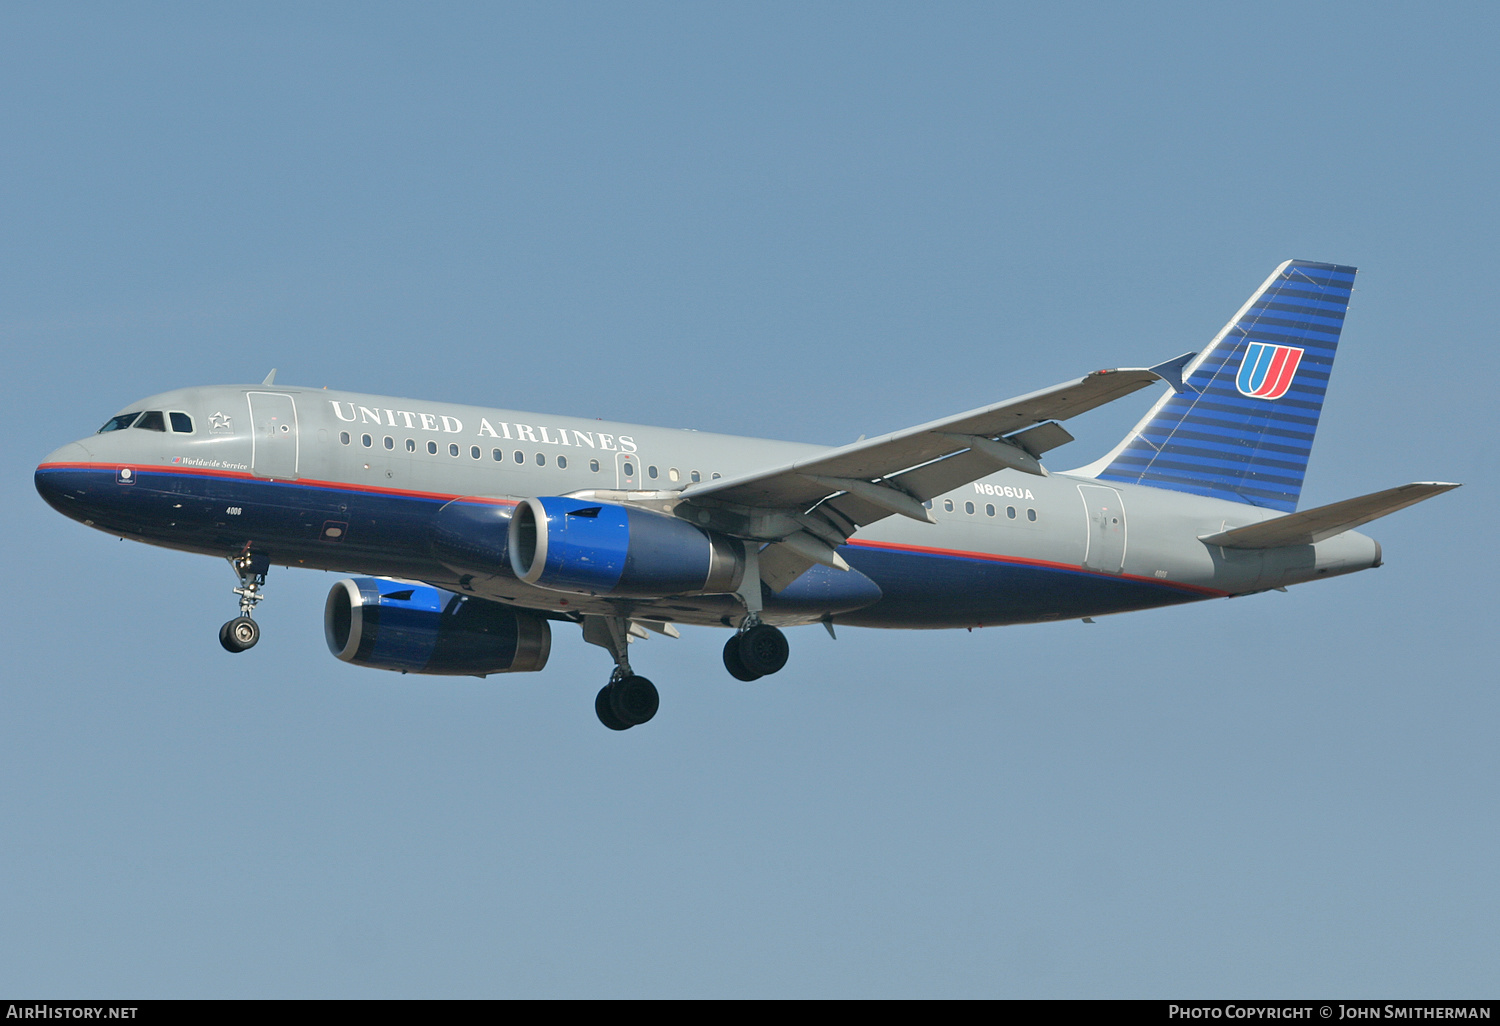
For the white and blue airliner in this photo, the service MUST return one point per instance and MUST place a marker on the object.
(474, 532)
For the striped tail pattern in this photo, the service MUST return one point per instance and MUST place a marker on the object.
(1244, 428)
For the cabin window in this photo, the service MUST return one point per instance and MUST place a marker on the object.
(119, 423)
(694, 476)
(181, 423)
(629, 469)
(344, 438)
(948, 505)
(452, 448)
(969, 508)
(1010, 511)
(431, 448)
(541, 459)
(562, 463)
(594, 466)
(497, 455)
(672, 474)
(989, 509)
(716, 477)
(520, 456)
(390, 443)
(411, 445)
(366, 441)
(474, 452)
(651, 473)
(1031, 515)
(152, 420)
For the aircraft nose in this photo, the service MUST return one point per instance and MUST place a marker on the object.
(49, 473)
(73, 452)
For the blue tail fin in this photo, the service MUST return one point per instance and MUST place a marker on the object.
(1245, 429)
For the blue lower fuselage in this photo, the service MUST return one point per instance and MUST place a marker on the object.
(388, 532)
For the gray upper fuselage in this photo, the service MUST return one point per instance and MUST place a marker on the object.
(1009, 548)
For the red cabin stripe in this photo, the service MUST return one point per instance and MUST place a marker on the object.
(991, 557)
(988, 557)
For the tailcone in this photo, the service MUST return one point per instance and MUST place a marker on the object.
(1345, 553)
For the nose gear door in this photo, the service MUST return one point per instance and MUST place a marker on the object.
(273, 438)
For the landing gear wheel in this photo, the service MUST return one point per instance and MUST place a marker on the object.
(633, 700)
(606, 714)
(733, 663)
(763, 649)
(239, 634)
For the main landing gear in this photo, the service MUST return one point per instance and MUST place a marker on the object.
(628, 700)
(243, 632)
(757, 650)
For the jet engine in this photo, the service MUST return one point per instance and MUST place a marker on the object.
(593, 548)
(414, 628)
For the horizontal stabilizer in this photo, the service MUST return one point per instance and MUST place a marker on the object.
(1313, 525)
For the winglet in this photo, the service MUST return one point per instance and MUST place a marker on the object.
(270, 378)
(1171, 372)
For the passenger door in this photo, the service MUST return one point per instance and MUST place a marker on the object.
(273, 438)
(1105, 516)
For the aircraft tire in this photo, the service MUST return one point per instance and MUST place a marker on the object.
(733, 663)
(606, 713)
(634, 700)
(239, 634)
(763, 649)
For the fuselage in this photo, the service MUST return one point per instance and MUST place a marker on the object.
(359, 483)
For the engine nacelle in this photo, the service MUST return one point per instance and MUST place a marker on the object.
(414, 628)
(594, 548)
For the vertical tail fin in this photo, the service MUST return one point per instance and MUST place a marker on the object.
(1244, 429)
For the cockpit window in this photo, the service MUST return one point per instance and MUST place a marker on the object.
(181, 423)
(152, 420)
(119, 423)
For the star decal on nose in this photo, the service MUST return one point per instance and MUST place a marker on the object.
(219, 422)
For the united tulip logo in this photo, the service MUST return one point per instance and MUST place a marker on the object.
(1267, 370)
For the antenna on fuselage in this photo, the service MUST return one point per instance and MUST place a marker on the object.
(270, 378)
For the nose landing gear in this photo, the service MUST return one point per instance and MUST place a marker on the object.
(243, 632)
(239, 634)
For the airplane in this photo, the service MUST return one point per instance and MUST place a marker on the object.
(474, 531)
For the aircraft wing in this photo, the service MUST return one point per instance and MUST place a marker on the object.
(814, 504)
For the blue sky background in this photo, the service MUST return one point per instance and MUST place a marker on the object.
(806, 222)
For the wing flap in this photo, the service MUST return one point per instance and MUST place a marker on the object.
(1314, 525)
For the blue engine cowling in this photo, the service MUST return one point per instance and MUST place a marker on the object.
(414, 628)
(594, 548)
